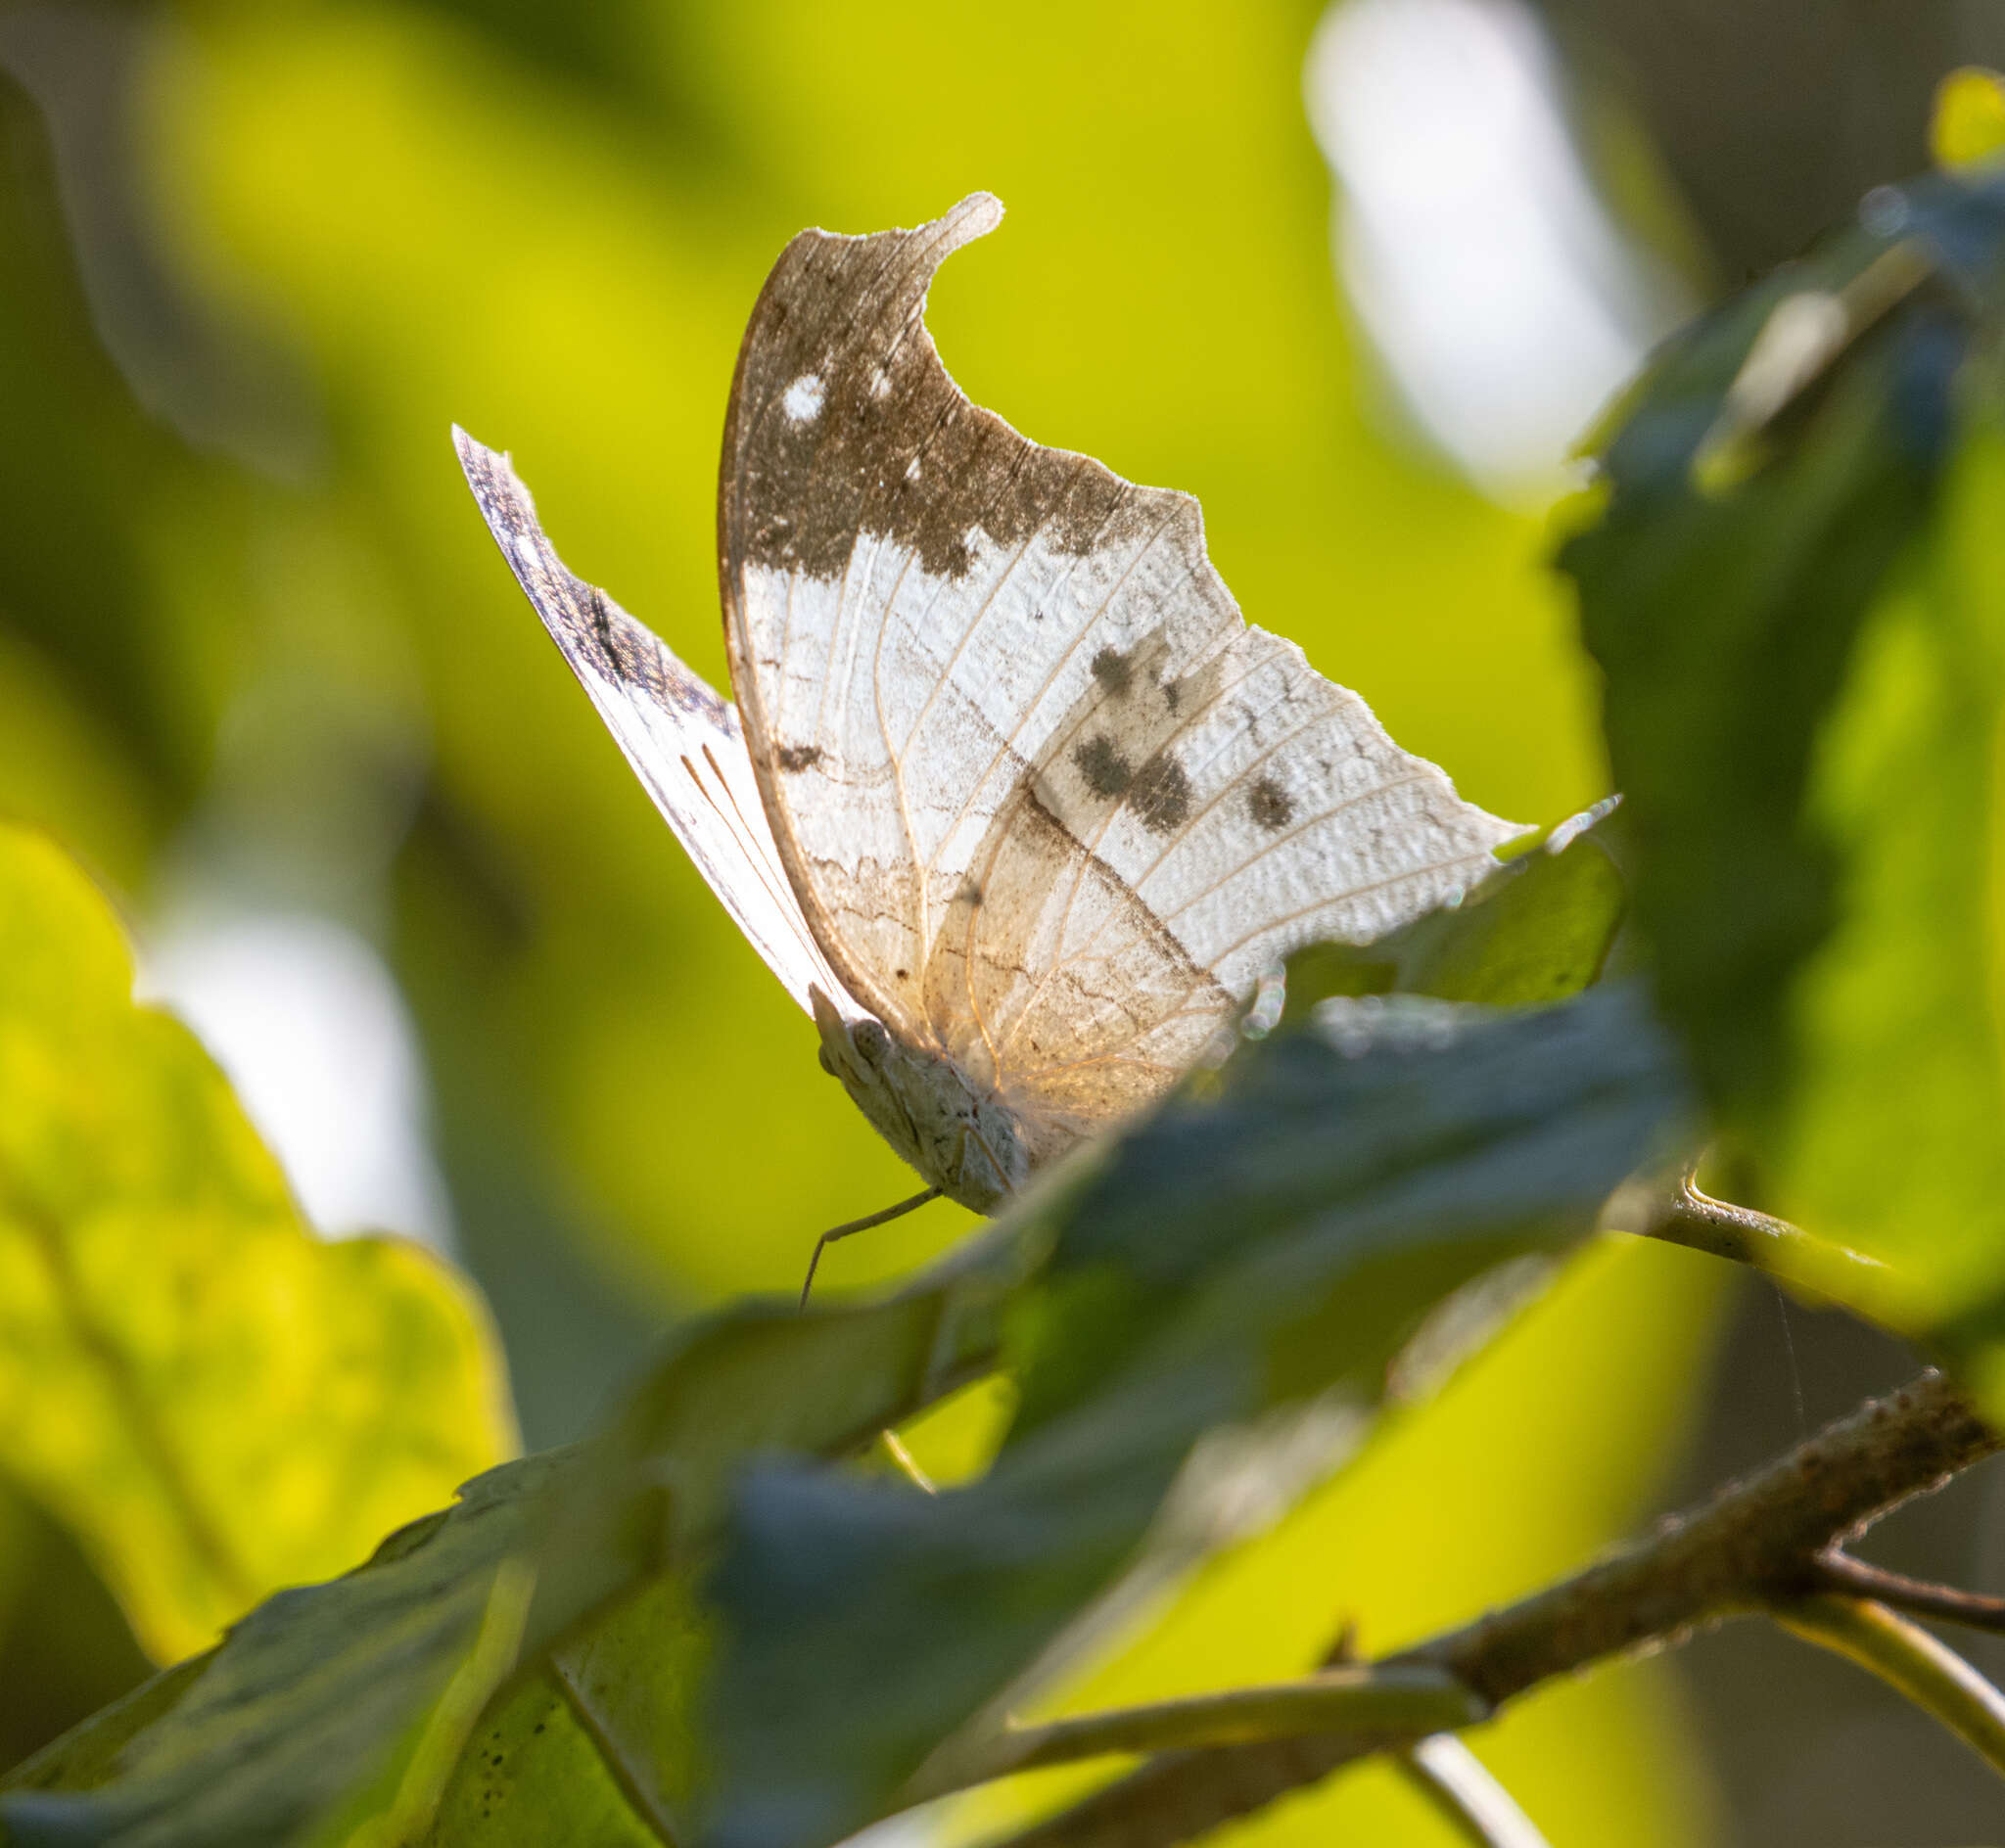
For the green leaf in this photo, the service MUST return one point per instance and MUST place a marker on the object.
(1536, 930)
(1275, 1230)
(1527, 1462)
(1795, 597)
(1894, 1138)
(216, 1402)
(723, 1628)
(1967, 124)
(261, 1738)
(765, 1376)
(541, 1769)
(403, 1701)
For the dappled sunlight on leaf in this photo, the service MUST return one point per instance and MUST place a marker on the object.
(217, 1401)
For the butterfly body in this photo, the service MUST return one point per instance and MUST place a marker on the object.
(962, 1141)
(1012, 799)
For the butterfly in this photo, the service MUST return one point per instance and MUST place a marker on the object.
(1012, 799)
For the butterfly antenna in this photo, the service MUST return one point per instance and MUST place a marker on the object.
(863, 1225)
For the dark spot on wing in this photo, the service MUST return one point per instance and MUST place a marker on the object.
(1112, 669)
(1173, 695)
(1107, 771)
(1161, 795)
(798, 497)
(601, 620)
(799, 757)
(1270, 806)
(970, 893)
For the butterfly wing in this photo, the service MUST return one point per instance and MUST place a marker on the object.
(1051, 805)
(682, 739)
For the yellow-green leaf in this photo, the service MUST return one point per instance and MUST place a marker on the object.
(1969, 122)
(215, 1400)
(1802, 688)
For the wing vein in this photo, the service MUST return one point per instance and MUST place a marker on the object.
(1316, 904)
(1058, 667)
(1087, 859)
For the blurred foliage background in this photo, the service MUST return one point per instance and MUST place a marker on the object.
(1352, 278)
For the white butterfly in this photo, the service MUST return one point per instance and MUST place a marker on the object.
(1014, 801)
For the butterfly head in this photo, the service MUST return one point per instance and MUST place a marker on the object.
(964, 1142)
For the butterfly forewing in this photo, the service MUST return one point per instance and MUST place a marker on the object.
(683, 741)
(1048, 804)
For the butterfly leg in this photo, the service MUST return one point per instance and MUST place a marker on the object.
(863, 1225)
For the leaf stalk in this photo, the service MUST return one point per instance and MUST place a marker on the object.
(1382, 1704)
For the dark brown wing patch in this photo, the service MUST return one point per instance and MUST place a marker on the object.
(840, 327)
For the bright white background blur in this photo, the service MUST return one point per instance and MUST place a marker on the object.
(1505, 304)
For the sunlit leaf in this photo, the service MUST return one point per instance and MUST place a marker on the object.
(1804, 656)
(445, 1679)
(216, 1402)
(1968, 127)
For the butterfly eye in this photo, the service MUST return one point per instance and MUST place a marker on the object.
(822, 1054)
(870, 1040)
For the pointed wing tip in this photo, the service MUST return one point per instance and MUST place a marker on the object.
(475, 457)
(975, 216)
(492, 478)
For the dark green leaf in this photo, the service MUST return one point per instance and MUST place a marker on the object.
(305, 1699)
(1801, 636)
(1327, 1182)
(1276, 1230)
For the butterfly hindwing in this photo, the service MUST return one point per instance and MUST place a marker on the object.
(1049, 804)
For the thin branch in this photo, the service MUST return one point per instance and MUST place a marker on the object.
(1755, 1545)
(1911, 1661)
(1389, 1705)
(1742, 1236)
(1840, 1572)
(1463, 1791)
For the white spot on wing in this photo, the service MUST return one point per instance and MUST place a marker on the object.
(803, 401)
